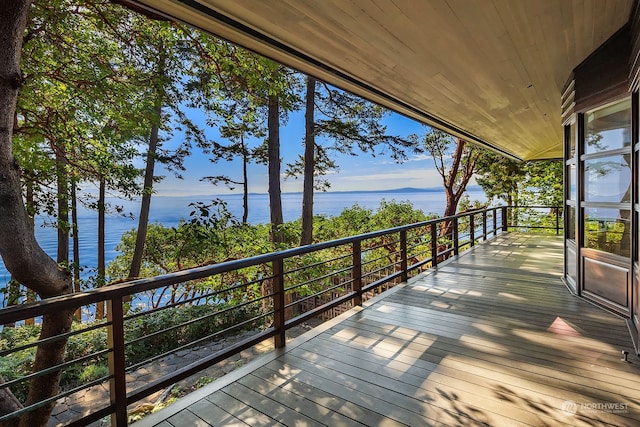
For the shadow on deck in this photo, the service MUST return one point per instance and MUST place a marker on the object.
(492, 337)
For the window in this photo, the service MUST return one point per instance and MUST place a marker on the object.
(608, 128)
(570, 232)
(608, 179)
(608, 230)
(606, 163)
(571, 182)
(571, 144)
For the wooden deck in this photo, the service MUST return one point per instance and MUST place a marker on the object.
(491, 338)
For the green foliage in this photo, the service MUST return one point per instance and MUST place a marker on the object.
(93, 372)
(147, 337)
(351, 221)
(607, 235)
(76, 100)
(394, 214)
(19, 363)
(521, 183)
(141, 331)
(543, 185)
(456, 162)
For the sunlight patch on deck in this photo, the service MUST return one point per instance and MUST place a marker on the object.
(511, 296)
(489, 329)
(579, 344)
(440, 304)
(384, 308)
(484, 345)
(561, 327)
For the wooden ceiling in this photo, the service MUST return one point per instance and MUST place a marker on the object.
(490, 71)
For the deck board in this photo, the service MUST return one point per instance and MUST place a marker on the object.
(490, 338)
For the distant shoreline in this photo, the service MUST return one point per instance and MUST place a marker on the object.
(470, 189)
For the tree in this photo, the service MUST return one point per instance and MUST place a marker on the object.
(276, 91)
(256, 88)
(240, 125)
(544, 178)
(69, 92)
(309, 163)
(77, 109)
(337, 121)
(521, 183)
(21, 254)
(455, 161)
(275, 192)
(500, 176)
(163, 65)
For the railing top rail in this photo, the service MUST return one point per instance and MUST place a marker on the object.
(534, 207)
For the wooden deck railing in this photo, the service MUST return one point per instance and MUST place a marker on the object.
(269, 293)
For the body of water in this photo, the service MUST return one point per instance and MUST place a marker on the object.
(170, 210)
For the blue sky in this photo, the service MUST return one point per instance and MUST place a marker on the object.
(362, 172)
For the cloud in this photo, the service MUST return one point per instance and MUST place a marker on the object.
(420, 158)
(407, 177)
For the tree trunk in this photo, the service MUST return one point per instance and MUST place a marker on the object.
(100, 308)
(9, 403)
(245, 183)
(22, 255)
(30, 206)
(275, 195)
(13, 297)
(309, 164)
(31, 297)
(455, 181)
(63, 206)
(76, 245)
(450, 209)
(453, 197)
(143, 220)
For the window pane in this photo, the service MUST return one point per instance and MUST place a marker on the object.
(572, 140)
(636, 159)
(608, 230)
(571, 182)
(608, 128)
(570, 232)
(608, 179)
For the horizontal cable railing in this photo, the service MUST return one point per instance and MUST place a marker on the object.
(531, 218)
(149, 320)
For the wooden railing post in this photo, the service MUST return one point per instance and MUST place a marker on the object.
(278, 302)
(456, 243)
(484, 225)
(495, 222)
(116, 360)
(403, 256)
(505, 222)
(434, 244)
(356, 271)
(472, 226)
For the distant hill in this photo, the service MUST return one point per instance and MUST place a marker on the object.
(472, 188)
(404, 190)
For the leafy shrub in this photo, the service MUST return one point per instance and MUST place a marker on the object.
(146, 338)
(18, 364)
